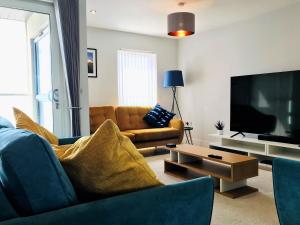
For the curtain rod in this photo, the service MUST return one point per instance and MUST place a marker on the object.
(136, 50)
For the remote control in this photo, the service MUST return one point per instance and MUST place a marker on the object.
(215, 156)
(170, 145)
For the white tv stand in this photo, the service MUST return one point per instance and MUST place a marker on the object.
(254, 147)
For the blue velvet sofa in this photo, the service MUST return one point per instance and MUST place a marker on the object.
(286, 182)
(35, 190)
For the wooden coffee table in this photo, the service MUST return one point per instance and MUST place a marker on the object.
(230, 173)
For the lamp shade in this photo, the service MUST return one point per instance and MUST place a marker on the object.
(173, 78)
(181, 24)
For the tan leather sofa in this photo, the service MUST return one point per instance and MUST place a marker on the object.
(130, 121)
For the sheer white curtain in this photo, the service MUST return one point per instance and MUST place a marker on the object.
(137, 78)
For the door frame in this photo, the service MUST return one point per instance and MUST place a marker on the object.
(35, 77)
(61, 116)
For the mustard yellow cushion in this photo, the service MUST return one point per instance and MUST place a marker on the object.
(60, 149)
(107, 163)
(25, 122)
(132, 117)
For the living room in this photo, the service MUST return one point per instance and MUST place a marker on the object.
(185, 114)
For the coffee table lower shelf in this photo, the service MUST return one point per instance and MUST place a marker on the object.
(188, 171)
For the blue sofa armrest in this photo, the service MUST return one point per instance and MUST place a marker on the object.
(188, 203)
(67, 141)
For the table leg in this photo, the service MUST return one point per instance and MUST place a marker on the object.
(191, 137)
(228, 186)
(235, 189)
(187, 137)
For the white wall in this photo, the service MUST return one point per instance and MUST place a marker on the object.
(104, 89)
(267, 43)
(84, 98)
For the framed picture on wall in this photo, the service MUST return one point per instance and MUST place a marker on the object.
(92, 62)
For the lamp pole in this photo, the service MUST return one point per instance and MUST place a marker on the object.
(174, 89)
(174, 79)
(175, 102)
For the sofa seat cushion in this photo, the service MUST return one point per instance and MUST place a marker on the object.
(31, 174)
(152, 134)
(131, 136)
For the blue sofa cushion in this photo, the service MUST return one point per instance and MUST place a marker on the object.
(6, 209)
(31, 175)
(4, 123)
(158, 117)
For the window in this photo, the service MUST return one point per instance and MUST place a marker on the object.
(137, 78)
(15, 85)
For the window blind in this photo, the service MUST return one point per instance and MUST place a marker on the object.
(137, 78)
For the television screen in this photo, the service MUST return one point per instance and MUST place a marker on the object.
(266, 104)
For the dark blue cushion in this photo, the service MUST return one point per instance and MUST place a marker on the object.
(31, 175)
(6, 209)
(4, 123)
(158, 117)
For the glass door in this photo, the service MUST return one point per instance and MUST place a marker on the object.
(43, 79)
(37, 72)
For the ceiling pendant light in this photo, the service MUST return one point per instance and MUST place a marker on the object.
(181, 24)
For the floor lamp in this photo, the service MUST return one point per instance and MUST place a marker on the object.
(174, 79)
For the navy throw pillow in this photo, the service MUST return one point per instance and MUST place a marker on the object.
(158, 117)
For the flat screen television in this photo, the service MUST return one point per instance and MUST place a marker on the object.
(267, 104)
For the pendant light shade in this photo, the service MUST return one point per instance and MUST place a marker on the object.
(181, 24)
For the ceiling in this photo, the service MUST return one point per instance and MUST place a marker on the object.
(14, 14)
(150, 16)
